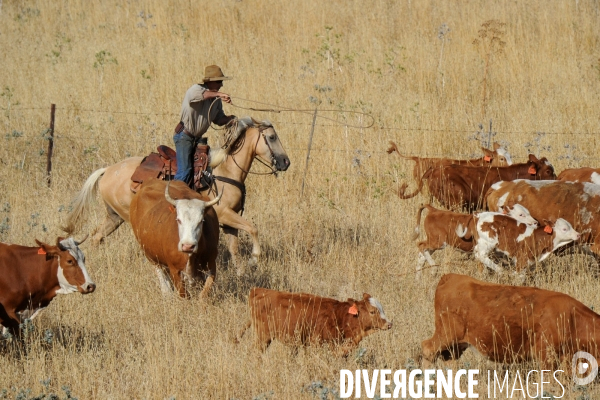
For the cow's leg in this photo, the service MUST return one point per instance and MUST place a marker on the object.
(178, 282)
(163, 281)
(233, 220)
(110, 224)
(212, 273)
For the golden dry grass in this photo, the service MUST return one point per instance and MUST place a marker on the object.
(117, 72)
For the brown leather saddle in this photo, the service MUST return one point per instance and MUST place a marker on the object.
(163, 165)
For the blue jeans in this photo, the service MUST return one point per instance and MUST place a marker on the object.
(185, 146)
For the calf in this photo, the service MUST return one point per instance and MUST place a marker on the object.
(448, 228)
(499, 157)
(585, 174)
(509, 324)
(522, 244)
(464, 186)
(311, 319)
(30, 277)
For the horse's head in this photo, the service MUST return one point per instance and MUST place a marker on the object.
(271, 148)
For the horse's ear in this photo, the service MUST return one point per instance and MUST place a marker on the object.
(255, 122)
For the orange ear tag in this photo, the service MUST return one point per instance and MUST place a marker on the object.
(41, 250)
(548, 229)
(487, 158)
(353, 310)
(532, 170)
(172, 209)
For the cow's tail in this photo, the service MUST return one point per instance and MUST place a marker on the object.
(402, 190)
(244, 329)
(486, 205)
(394, 149)
(83, 201)
(416, 232)
(466, 232)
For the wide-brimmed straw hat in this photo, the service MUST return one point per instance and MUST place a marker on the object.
(214, 73)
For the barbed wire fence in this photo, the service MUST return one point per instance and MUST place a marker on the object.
(52, 137)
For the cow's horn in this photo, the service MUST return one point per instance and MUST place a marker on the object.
(169, 198)
(215, 200)
(78, 242)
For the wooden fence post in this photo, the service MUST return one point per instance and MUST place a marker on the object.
(312, 131)
(50, 145)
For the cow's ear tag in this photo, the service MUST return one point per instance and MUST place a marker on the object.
(172, 209)
(548, 229)
(487, 158)
(41, 250)
(532, 170)
(353, 310)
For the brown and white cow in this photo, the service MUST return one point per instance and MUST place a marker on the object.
(447, 228)
(499, 157)
(465, 187)
(179, 235)
(576, 202)
(585, 174)
(520, 243)
(30, 277)
(509, 324)
(303, 318)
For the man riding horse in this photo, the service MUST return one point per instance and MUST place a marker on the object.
(200, 107)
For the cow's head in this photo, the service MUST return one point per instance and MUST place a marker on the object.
(72, 274)
(540, 169)
(499, 157)
(369, 313)
(190, 217)
(562, 232)
(520, 213)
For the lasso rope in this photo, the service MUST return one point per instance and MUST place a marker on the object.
(279, 109)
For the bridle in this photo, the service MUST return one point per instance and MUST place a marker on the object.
(261, 130)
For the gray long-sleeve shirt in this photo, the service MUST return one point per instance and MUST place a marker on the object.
(194, 110)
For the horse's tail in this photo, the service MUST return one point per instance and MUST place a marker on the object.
(216, 157)
(82, 202)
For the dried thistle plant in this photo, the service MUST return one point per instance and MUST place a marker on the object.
(489, 44)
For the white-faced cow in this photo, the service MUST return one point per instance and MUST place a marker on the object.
(508, 324)
(179, 235)
(30, 277)
(447, 228)
(301, 318)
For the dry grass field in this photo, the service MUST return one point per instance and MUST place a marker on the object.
(428, 72)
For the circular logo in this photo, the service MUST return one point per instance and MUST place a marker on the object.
(584, 364)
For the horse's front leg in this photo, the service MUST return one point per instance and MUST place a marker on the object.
(233, 221)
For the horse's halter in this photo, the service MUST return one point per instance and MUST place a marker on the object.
(261, 130)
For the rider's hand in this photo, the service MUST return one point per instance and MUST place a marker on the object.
(225, 97)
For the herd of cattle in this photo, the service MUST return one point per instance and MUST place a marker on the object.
(517, 215)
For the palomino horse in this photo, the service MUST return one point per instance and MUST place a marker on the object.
(256, 141)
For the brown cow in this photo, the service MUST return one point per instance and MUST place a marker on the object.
(464, 187)
(576, 202)
(509, 324)
(30, 277)
(447, 228)
(522, 244)
(179, 235)
(309, 319)
(499, 157)
(585, 174)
